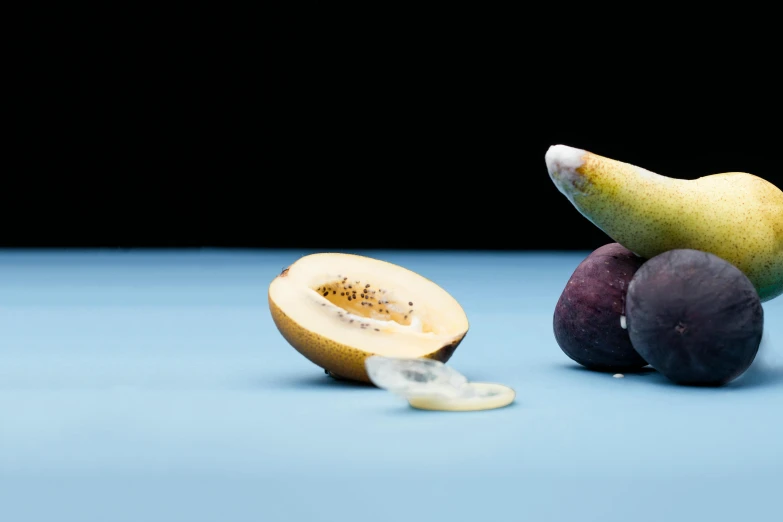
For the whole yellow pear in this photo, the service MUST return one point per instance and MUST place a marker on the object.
(735, 215)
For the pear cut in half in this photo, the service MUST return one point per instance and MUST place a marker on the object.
(339, 309)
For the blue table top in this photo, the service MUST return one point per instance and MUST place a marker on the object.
(153, 386)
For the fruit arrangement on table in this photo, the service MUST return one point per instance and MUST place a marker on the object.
(680, 289)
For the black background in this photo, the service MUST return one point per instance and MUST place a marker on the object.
(345, 141)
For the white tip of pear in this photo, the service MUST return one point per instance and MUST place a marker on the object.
(563, 157)
(562, 163)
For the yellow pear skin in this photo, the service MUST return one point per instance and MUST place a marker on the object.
(735, 215)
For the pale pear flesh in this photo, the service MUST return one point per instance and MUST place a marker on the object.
(735, 215)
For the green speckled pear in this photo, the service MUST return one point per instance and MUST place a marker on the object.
(735, 215)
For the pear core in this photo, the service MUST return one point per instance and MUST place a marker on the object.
(338, 309)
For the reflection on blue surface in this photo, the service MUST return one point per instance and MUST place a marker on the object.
(153, 386)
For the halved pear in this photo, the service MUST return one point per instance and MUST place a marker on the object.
(338, 309)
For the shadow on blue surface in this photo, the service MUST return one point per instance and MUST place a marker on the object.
(318, 381)
(765, 370)
(760, 374)
(578, 368)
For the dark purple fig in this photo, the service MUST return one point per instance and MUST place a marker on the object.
(589, 320)
(694, 317)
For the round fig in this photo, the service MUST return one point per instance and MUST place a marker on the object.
(694, 317)
(589, 320)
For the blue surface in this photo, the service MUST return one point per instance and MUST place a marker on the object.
(153, 386)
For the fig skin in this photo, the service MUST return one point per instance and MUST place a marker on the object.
(694, 317)
(588, 315)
